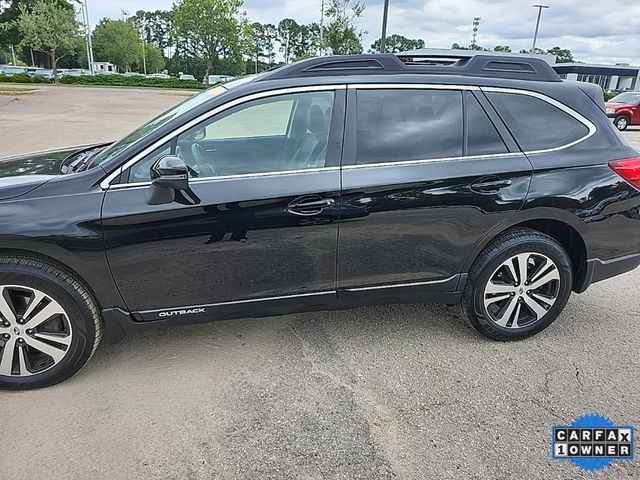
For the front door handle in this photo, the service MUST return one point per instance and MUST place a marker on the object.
(491, 184)
(309, 205)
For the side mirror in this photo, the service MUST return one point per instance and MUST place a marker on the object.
(168, 175)
(170, 172)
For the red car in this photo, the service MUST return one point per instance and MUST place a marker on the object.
(624, 109)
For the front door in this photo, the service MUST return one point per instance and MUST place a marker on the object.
(260, 225)
(425, 178)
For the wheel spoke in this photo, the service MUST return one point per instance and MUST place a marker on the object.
(54, 337)
(499, 288)
(535, 307)
(499, 298)
(35, 301)
(5, 309)
(543, 298)
(6, 362)
(551, 275)
(523, 264)
(54, 352)
(24, 371)
(512, 272)
(507, 313)
(53, 308)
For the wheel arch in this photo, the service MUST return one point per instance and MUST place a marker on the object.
(97, 279)
(561, 231)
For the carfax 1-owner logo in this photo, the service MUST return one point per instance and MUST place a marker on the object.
(592, 442)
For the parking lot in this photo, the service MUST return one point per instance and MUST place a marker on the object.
(382, 392)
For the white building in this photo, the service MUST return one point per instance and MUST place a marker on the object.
(104, 68)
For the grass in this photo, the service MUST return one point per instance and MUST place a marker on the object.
(16, 90)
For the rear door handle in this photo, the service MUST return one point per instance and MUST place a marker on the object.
(490, 184)
(309, 205)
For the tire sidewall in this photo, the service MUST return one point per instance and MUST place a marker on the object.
(78, 314)
(540, 245)
(617, 120)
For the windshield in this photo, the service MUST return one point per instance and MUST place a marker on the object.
(628, 97)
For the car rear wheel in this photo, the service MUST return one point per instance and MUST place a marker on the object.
(518, 285)
(621, 122)
(49, 323)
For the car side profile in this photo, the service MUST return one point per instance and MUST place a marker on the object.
(331, 183)
(624, 109)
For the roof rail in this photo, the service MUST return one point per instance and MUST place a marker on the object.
(492, 66)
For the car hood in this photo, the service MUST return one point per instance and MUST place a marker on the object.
(19, 174)
(617, 105)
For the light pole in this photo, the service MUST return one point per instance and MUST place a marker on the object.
(144, 44)
(535, 35)
(87, 27)
(322, 28)
(385, 13)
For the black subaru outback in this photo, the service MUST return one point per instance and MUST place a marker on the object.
(325, 184)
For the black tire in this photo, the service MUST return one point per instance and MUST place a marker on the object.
(81, 311)
(500, 250)
(621, 122)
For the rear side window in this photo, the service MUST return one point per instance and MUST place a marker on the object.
(404, 125)
(482, 137)
(536, 124)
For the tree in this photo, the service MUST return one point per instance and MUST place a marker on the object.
(50, 28)
(288, 33)
(502, 48)
(153, 57)
(118, 42)
(563, 55)
(342, 35)
(211, 28)
(398, 43)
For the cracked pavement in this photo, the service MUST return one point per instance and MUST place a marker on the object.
(404, 391)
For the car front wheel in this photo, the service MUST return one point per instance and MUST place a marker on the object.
(621, 122)
(49, 323)
(518, 285)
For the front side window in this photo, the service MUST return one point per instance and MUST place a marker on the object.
(535, 123)
(406, 124)
(280, 133)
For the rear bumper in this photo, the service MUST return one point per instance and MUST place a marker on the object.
(598, 270)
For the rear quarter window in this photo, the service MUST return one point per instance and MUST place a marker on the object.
(535, 123)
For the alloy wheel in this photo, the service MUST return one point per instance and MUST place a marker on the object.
(522, 290)
(621, 123)
(35, 332)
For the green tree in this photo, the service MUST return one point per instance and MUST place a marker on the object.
(563, 55)
(212, 29)
(502, 48)
(118, 42)
(153, 57)
(342, 35)
(398, 43)
(288, 34)
(50, 28)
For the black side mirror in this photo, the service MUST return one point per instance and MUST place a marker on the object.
(168, 175)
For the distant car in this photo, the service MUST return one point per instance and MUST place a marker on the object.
(163, 76)
(133, 74)
(213, 79)
(77, 72)
(624, 109)
(10, 71)
(46, 73)
(185, 76)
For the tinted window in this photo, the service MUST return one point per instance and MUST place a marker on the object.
(286, 132)
(402, 125)
(536, 124)
(141, 171)
(482, 136)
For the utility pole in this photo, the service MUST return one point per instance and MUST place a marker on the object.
(87, 28)
(535, 35)
(33, 63)
(385, 14)
(476, 25)
(13, 54)
(144, 45)
(322, 28)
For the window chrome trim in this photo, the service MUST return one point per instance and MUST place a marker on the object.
(106, 183)
(236, 302)
(433, 160)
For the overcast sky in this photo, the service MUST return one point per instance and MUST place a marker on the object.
(602, 31)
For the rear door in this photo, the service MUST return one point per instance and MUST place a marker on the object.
(427, 173)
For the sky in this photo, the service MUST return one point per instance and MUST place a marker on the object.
(603, 31)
